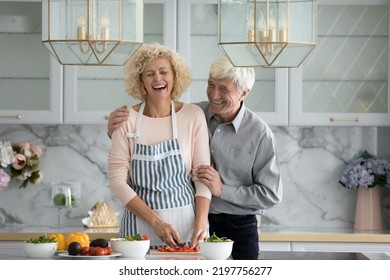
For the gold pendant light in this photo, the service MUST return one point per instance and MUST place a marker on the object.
(92, 32)
(267, 33)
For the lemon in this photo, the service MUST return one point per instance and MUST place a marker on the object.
(59, 199)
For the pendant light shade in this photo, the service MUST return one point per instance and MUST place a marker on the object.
(92, 32)
(267, 33)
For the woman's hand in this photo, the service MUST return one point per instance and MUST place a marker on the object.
(198, 234)
(202, 206)
(167, 233)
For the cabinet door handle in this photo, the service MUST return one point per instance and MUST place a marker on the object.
(356, 119)
(11, 117)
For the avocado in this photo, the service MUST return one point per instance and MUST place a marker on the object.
(99, 242)
(74, 248)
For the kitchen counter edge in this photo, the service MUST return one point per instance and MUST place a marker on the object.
(265, 234)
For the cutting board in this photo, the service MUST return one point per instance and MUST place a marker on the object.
(157, 252)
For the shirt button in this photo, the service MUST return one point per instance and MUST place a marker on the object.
(212, 151)
(219, 130)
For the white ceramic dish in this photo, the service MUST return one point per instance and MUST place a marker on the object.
(66, 255)
(216, 250)
(130, 249)
(40, 250)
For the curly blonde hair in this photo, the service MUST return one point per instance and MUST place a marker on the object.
(146, 53)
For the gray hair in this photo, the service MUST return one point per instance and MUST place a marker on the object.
(243, 77)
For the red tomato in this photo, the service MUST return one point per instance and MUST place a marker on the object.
(166, 249)
(84, 251)
(145, 237)
(101, 251)
(92, 251)
(185, 248)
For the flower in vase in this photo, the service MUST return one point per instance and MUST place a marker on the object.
(365, 170)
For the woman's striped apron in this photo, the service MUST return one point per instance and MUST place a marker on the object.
(160, 179)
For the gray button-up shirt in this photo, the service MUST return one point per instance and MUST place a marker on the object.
(245, 155)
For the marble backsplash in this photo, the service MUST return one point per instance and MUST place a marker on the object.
(310, 157)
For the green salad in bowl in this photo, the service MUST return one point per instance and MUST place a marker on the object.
(41, 247)
(216, 248)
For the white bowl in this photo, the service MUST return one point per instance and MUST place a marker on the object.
(130, 249)
(40, 250)
(216, 250)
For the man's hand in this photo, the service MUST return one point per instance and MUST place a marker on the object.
(210, 177)
(117, 119)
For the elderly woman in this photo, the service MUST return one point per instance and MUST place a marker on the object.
(153, 155)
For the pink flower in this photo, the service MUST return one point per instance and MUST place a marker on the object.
(36, 150)
(26, 147)
(20, 162)
(4, 179)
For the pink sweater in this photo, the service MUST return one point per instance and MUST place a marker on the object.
(193, 139)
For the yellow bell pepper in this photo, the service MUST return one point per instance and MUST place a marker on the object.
(61, 244)
(80, 237)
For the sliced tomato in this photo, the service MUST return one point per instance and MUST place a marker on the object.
(189, 249)
(185, 248)
(166, 249)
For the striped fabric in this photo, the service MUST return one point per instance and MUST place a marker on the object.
(160, 179)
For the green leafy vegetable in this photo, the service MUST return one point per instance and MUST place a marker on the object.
(42, 239)
(215, 238)
(136, 237)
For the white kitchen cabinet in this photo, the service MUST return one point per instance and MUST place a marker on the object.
(30, 79)
(344, 81)
(35, 88)
(326, 246)
(198, 42)
(92, 92)
(278, 246)
(379, 247)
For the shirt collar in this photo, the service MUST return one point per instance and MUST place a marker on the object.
(236, 121)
